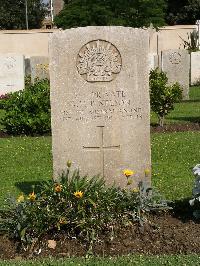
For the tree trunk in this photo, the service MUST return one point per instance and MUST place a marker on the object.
(161, 121)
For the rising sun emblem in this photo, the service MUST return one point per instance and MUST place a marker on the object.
(99, 61)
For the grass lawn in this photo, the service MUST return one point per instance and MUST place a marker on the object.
(190, 260)
(25, 161)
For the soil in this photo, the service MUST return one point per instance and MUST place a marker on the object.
(162, 234)
(154, 128)
(176, 127)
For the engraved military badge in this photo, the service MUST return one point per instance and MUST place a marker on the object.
(175, 58)
(99, 60)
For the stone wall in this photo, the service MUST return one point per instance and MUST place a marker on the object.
(29, 43)
(35, 42)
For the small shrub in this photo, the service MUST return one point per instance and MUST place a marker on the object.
(162, 95)
(28, 111)
(195, 201)
(78, 206)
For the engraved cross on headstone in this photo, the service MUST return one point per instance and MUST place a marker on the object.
(102, 148)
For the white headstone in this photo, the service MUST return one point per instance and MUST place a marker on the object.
(153, 61)
(195, 68)
(39, 68)
(176, 63)
(100, 102)
(12, 73)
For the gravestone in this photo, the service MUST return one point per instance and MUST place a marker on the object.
(100, 102)
(12, 72)
(176, 63)
(39, 68)
(153, 61)
(27, 67)
(195, 68)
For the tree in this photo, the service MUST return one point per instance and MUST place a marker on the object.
(162, 95)
(183, 11)
(131, 13)
(12, 14)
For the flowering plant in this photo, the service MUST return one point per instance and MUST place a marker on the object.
(79, 206)
(195, 201)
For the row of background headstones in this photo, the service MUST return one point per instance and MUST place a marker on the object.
(14, 68)
(154, 62)
(176, 63)
(179, 66)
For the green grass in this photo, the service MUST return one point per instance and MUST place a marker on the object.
(25, 161)
(184, 112)
(173, 157)
(176, 260)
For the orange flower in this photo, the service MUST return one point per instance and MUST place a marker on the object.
(58, 188)
(62, 220)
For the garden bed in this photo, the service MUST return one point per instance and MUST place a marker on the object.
(175, 127)
(163, 234)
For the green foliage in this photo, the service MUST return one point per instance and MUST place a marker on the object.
(78, 206)
(12, 14)
(139, 13)
(3, 99)
(192, 43)
(28, 111)
(183, 12)
(162, 95)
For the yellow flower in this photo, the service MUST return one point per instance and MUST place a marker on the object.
(20, 198)
(32, 196)
(62, 221)
(130, 181)
(58, 188)
(78, 194)
(128, 172)
(69, 163)
(135, 190)
(147, 172)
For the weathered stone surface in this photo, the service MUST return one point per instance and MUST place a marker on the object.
(100, 101)
(176, 63)
(39, 68)
(12, 72)
(195, 68)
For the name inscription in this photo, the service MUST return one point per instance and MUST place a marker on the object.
(101, 105)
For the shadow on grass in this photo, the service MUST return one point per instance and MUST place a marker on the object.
(27, 187)
(191, 101)
(183, 211)
(190, 119)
